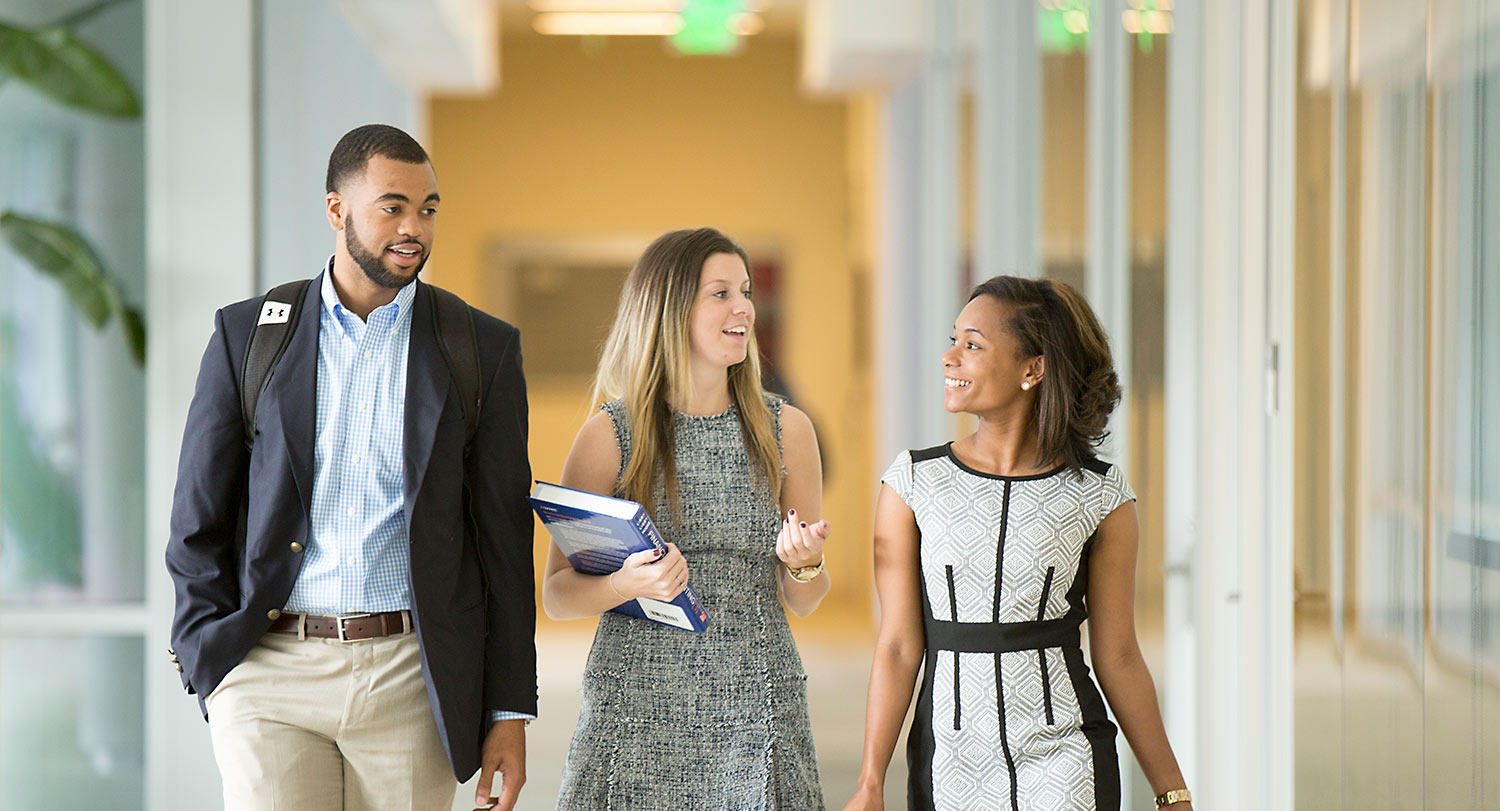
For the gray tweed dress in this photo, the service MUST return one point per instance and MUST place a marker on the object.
(716, 721)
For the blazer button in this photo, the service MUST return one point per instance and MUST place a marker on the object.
(296, 547)
(179, 668)
(274, 613)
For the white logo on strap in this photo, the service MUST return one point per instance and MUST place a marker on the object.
(274, 312)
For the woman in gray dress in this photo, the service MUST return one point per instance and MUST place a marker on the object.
(732, 477)
(990, 552)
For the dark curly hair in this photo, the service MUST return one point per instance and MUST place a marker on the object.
(358, 145)
(1079, 388)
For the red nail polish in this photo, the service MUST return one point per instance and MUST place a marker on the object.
(804, 525)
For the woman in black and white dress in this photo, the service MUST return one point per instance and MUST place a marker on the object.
(990, 552)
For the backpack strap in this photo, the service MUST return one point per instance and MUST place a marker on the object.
(455, 332)
(460, 347)
(269, 338)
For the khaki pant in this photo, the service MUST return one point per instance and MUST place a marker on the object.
(318, 724)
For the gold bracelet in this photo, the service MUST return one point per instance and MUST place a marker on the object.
(611, 581)
(1176, 795)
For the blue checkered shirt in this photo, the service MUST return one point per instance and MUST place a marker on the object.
(357, 560)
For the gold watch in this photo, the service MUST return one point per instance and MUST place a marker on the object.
(806, 574)
(1176, 795)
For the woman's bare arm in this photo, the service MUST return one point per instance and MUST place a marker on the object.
(899, 647)
(1117, 656)
(592, 465)
(802, 494)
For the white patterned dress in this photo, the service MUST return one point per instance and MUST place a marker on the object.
(1008, 718)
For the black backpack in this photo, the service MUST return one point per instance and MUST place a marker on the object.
(272, 334)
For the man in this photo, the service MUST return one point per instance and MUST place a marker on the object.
(354, 591)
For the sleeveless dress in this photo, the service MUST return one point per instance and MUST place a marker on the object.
(717, 721)
(1008, 718)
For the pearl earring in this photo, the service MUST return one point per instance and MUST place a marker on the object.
(1025, 385)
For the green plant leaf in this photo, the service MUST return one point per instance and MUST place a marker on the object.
(55, 62)
(135, 333)
(63, 255)
(59, 252)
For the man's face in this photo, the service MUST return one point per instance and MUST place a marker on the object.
(389, 219)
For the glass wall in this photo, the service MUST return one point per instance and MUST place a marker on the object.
(1398, 514)
(72, 413)
(71, 396)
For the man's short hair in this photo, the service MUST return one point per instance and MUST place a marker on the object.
(358, 145)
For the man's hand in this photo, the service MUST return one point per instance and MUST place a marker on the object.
(504, 752)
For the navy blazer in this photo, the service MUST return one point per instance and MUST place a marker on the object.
(236, 514)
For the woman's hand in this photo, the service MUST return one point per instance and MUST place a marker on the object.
(799, 544)
(649, 573)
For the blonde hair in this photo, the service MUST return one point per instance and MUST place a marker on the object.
(646, 360)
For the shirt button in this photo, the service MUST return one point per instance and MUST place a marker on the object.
(351, 560)
(367, 354)
(274, 613)
(296, 547)
(356, 458)
(351, 512)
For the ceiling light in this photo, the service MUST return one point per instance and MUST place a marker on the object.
(674, 6)
(748, 25)
(594, 23)
(667, 6)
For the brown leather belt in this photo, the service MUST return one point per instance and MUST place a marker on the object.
(347, 628)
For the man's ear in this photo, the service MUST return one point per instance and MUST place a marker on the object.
(334, 205)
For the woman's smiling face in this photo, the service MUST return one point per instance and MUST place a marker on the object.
(984, 369)
(723, 317)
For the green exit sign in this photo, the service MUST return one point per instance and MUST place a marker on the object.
(708, 26)
(1063, 26)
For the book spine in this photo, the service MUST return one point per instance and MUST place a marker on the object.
(648, 530)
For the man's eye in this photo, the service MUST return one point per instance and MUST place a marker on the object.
(388, 209)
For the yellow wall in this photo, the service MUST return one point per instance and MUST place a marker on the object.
(623, 138)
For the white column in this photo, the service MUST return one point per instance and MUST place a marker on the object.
(898, 332)
(1182, 591)
(1107, 271)
(1007, 142)
(200, 146)
(918, 282)
(1274, 557)
(1337, 180)
(938, 294)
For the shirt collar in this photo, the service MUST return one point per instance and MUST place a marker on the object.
(336, 308)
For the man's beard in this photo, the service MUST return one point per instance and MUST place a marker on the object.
(371, 263)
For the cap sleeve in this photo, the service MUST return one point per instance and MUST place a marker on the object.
(620, 419)
(1116, 491)
(899, 476)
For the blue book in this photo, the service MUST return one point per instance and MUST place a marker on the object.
(597, 533)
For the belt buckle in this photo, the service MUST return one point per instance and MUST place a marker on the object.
(346, 617)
